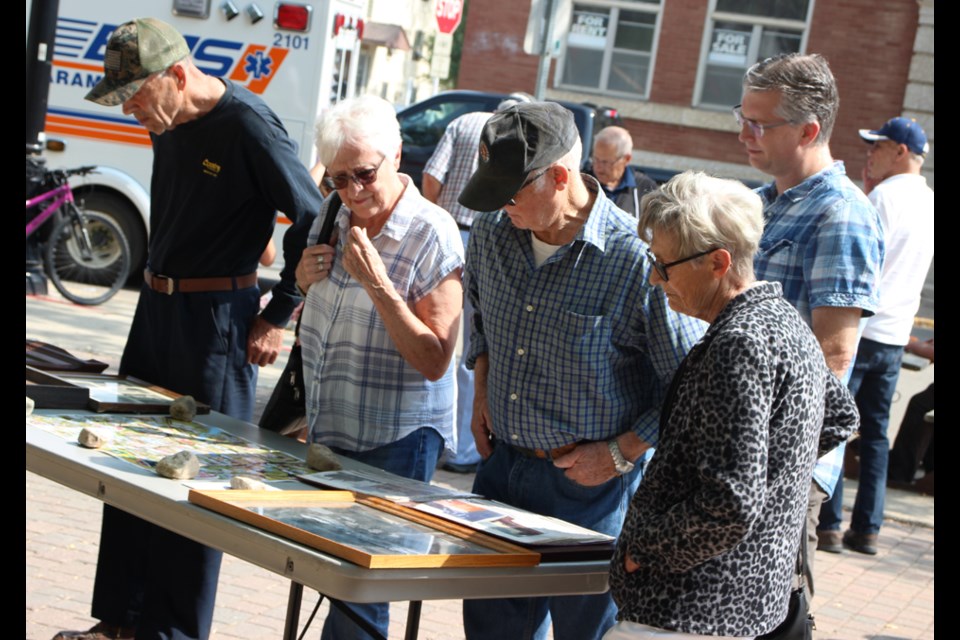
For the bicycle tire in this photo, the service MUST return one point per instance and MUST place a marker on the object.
(87, 277)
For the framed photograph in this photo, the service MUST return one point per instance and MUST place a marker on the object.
(123, 394)
(369, 532)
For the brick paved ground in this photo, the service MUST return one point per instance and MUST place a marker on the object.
(886, 597)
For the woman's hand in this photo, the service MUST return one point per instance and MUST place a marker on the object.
(424, 333)
(315, 264)
(363, 262)
(629, 564)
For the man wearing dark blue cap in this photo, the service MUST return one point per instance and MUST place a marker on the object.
(571, 346)
(905, 203)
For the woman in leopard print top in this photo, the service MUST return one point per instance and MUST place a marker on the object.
(710, 542)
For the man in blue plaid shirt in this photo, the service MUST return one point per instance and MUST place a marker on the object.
(572, 349)
(822, 239)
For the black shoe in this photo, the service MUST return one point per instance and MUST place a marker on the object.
(453, 467)
(860, 542)
(100, 631)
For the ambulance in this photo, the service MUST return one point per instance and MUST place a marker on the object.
(299, 57)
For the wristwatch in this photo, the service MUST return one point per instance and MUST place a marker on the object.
(621, 464)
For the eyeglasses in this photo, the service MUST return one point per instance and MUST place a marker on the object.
(661, 267)
(600, 162)
(755, 126)
(363, 177)
(526, 184)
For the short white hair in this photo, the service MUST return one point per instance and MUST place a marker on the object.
(618, 137)
(706, 213)
(365, 121)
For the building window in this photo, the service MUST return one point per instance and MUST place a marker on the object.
(738, 34)
(609, 47)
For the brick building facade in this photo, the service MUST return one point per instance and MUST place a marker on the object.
(672, 67)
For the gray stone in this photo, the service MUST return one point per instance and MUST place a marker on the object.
(247, 483)
(179, 466)
(183, 408)
(321, 458)
(93, 437)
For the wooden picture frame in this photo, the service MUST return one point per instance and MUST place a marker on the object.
(370, 532)
(112, 393)
(50, 392)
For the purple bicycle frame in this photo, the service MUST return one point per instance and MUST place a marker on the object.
(66, 195)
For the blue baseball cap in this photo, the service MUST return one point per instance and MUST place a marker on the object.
(902, 131)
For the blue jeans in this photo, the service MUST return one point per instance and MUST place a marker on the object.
(414, 456)
(466, 452)
(872, 384)
(538, 486)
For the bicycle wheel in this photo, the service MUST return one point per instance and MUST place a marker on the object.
(87, 257)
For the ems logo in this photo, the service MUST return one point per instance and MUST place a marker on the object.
(211, 168)
(484, 152)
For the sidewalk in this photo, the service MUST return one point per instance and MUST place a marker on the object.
(886, 597)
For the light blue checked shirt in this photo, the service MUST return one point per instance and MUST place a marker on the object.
(580, 348)
(361, 393)
(454, 161)
(823, 242)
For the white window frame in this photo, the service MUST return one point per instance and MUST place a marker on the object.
(758, 23)
(615, 6)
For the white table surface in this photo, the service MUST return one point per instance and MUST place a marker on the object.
(164, 502)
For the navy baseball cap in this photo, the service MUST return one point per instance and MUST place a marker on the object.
(902, 131)
(514, 142)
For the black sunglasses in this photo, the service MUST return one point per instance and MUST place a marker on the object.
(661, 267)
(363, 177)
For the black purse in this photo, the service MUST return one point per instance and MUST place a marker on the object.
(287, 407)
(799, 624)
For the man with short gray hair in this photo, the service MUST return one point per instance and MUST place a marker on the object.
(610, 165)
(822, 238)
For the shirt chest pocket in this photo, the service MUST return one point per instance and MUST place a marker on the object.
(583, 345)
(777, 262)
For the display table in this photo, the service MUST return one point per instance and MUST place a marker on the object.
(164, 502)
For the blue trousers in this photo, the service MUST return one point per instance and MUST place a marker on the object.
(872, 383)
(537, 485)
(414, 456)
(161, 583)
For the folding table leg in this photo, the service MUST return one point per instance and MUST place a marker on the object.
(293, 611)
(413, 620)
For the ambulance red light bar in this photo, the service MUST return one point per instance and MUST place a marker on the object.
(292, 17)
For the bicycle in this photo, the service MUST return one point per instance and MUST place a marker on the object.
(86, 255)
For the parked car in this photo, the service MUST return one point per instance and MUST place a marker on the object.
(422, 124)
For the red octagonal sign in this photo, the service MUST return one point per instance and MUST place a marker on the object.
(448, 14)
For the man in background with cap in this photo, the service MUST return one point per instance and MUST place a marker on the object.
(572, 349)
(445, 175)
(905, 203)
(223, 165)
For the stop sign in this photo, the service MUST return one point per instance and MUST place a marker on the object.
(449, 13)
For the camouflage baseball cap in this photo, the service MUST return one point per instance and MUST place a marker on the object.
(136, 50)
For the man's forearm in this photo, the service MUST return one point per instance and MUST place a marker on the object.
(836, 331)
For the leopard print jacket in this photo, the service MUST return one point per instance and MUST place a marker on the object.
(715, 525)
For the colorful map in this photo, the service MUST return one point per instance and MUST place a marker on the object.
(145, 440)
